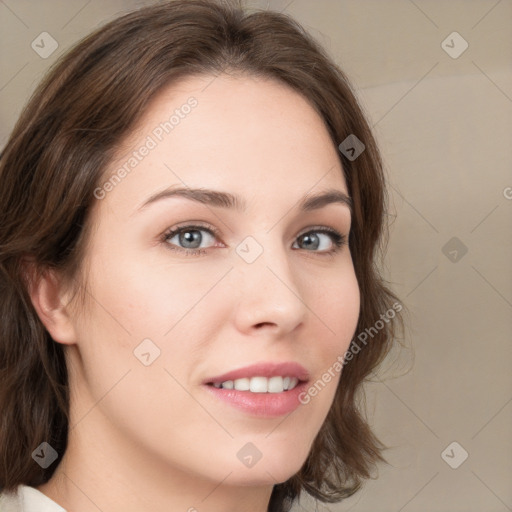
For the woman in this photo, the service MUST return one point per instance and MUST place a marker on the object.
(192, 205)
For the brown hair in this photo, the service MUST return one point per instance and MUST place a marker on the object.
(54, 159)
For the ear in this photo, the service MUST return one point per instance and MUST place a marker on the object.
(51, 302)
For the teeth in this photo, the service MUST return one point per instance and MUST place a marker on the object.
(260, 384)
(275, 385)
(241, 384)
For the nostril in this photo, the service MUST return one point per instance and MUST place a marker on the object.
(263, 323)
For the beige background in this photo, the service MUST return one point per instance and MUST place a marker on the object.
(444, 125)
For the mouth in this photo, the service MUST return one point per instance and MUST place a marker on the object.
(264, 389)
(259, 396)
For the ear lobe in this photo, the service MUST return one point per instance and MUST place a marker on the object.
(50, 301)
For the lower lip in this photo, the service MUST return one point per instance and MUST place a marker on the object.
(266, 405)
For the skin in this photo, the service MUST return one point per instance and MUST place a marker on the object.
(151, 437)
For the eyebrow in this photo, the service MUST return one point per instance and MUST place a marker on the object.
(227, 200)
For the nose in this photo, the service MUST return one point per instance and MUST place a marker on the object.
(269, 293)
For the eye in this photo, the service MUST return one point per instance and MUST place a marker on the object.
(312, 240)
(188, 239)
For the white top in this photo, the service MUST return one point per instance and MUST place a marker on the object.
(28, 499)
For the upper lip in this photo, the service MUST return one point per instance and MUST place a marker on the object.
(266, 369)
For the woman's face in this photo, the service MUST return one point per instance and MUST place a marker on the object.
(163, 324)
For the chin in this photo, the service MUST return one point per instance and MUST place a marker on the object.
(274, 468)
(263, 477)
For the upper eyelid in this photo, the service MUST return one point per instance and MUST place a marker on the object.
(193, 226)
(199, 224)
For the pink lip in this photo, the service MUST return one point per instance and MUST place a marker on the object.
(265, 405)
(287, 369)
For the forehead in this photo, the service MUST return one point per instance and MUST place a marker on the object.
(255, 137)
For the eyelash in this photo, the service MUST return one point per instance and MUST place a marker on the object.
(337, 238)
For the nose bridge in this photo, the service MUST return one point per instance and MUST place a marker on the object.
(268, 288)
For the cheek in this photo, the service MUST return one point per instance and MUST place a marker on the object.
(140, 307)
(348, 307)
(338, 308)
(337, 304)
(144, 295)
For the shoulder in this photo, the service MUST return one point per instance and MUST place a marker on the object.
(27, 499)
(10, 502)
